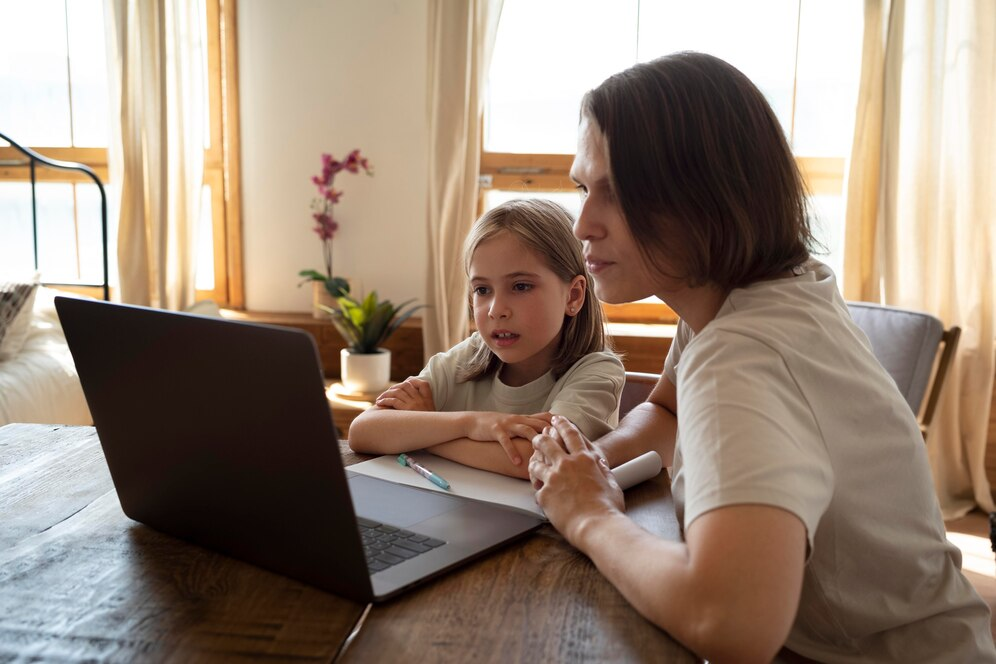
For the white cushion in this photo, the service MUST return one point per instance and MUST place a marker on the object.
(17, 298)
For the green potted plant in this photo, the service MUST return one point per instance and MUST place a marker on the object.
(365, 325)
(326, 285)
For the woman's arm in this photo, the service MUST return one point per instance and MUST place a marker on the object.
(650, 426)
(730, 592)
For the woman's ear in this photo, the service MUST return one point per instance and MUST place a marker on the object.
(576, 293)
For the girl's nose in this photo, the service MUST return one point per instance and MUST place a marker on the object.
(498, 308)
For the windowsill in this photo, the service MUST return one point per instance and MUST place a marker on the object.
(642, 330)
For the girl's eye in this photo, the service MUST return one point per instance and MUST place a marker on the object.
(522, 287)
(481, 290)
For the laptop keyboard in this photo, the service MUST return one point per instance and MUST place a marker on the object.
(386, 545)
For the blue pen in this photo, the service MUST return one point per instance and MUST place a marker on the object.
(406, 460)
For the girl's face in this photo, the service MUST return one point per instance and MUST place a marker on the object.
(620, 271)
(519, 306)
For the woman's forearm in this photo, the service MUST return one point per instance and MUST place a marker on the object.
(726, 608)
(646, 427)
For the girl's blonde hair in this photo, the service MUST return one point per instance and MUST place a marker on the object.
(547, 229)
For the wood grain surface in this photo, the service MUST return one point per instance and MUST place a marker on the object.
(79, 581)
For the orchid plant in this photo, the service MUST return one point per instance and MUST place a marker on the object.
(325, 223)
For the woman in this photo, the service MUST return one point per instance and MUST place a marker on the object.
(800, 479)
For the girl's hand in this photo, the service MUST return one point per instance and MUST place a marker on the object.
(573, 482)
(412, 394)
(503, 427)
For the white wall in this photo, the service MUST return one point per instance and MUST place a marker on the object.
(330, 76)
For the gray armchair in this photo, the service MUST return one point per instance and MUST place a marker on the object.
(908, 344)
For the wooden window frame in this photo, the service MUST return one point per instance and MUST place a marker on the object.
(221, 161)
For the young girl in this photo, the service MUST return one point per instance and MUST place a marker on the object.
(539, 350)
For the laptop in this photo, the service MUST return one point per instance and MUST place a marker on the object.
(219, 432)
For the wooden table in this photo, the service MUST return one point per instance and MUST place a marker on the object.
(81, 581)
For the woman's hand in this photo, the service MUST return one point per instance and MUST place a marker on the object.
(412, 394)
(573, 483)
(503, 427)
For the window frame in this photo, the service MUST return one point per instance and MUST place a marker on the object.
(221, 159)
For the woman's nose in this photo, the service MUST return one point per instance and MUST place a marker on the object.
(584, 227)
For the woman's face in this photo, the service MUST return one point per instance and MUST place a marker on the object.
(620, 271)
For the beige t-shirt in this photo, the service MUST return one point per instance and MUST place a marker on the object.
(781, 402)
(587, 394)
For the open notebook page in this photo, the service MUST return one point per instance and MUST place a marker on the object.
(486, 486)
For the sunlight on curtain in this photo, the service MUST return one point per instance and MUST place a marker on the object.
(155, 58)
(921, 208)
(461, 38)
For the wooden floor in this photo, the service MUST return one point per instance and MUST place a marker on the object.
(971, 534)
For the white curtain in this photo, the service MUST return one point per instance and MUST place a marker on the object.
(921, 208)
(461, 40)
(156, 78)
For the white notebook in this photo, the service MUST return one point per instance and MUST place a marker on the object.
(491, 487)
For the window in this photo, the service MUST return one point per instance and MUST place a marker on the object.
(54, 74)
(804, 55)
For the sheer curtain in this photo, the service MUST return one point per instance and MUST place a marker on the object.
(461, 39)
(921, 209)
(156, 153)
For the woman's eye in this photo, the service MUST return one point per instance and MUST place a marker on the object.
(583, 190)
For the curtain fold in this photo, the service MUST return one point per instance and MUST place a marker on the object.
(461, 40)
(156, 151)
(921, 207)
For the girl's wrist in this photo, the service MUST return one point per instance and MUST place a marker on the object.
(465, 423)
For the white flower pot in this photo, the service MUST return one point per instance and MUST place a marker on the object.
(365, 373)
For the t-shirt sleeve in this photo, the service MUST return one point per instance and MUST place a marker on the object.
(441, 371)
(681, 337)
(588, 394)
(752, 440)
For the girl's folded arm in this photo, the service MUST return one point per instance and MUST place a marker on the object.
(389, 431)
(486, 455)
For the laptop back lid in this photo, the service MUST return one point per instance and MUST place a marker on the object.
(219, 432)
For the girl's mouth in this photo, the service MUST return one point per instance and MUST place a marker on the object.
(504, 338)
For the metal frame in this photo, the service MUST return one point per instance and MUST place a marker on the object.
(34, 158)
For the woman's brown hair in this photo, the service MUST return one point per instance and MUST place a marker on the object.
(545, 228)
(702, 171)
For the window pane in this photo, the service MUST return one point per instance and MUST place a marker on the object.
(570, 200)
(756, 37)
(34, 106)
(547, 55)
(830, 34)
(62, 222)
(90, 244)
(16, 253)
(88, 58)
(57, 258)
(204, 280)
